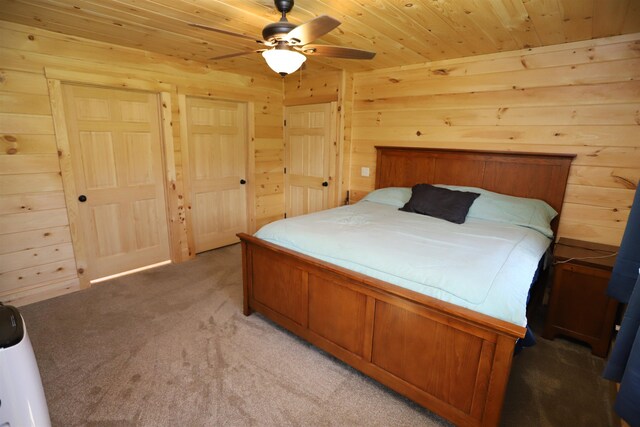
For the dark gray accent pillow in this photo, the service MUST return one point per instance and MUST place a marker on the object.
(450, 205)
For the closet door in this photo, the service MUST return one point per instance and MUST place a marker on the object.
(116, 155)
(217, 152)
(308, 138)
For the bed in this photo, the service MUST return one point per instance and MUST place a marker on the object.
(451, 359)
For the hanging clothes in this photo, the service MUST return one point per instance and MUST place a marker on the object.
(624, 363)
(627, 263)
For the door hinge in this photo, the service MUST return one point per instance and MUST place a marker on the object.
(285, 122)
(285, 214)
(285, 170)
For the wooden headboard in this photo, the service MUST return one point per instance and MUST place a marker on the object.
(534, 175)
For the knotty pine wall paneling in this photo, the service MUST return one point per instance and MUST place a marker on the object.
(36, 252)
(581, 98)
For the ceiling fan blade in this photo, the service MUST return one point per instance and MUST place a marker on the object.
(311, 30)
(228, 33)
(336, 51)
(232, 55)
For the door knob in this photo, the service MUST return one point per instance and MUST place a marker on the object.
(325, 184)
(243, 182)
(82, 198)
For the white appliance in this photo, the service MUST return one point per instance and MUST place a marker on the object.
(22, 401)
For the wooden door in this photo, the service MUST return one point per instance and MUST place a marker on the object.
(217, 150)
(309, 135)
(116, 156)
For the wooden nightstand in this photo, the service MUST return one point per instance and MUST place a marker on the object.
(579, 307)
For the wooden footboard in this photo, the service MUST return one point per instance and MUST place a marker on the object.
(449, 359)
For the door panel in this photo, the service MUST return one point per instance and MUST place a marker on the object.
(316, 200)
(105, 219)
(116, 155)
(309, 136)
(139, 158)
(146, 229)
(217, 149)
(295, 199)
(97, 151)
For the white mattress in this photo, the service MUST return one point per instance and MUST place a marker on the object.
(481, 265)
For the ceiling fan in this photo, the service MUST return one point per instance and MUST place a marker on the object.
(287, 44)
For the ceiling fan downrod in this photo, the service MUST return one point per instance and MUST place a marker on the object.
(276, 30)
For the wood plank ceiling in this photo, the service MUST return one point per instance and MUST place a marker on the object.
(402, 32)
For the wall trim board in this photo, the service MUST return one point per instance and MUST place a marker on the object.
(251, 166)
(341, 143)
(335, 168)
(346, 101)
(64, 156)
(186, 178)
(321, 99)
(112, 80)
(175, 206)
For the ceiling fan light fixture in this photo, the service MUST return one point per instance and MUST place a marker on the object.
(283, 61)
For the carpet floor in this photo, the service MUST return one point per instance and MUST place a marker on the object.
(170, 346)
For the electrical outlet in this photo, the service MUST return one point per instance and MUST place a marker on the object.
(364, 171)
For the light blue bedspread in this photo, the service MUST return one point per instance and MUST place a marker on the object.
(481, 265)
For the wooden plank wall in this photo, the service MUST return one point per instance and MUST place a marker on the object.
(581, 98)
(36, 254)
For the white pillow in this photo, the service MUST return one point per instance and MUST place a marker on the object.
(394, 196)
(531, 213)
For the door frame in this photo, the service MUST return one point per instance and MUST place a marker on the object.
(335, 154)
(55, 79)
(249, 163)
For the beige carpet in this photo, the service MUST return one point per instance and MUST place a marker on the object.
(171, 347)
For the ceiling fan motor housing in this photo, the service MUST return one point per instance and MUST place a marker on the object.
(282, 27)
(276, 29)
